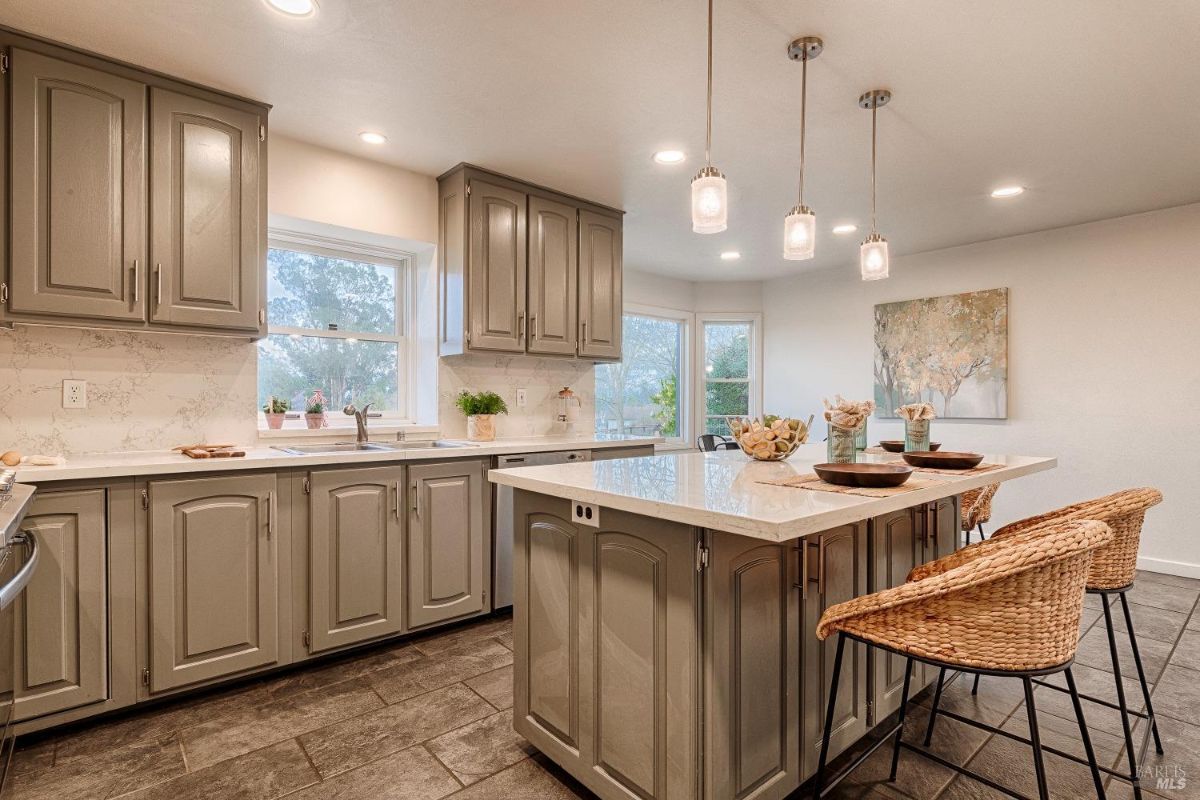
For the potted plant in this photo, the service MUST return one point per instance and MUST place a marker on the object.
(314, 411)
(275, 409)
(481, 410)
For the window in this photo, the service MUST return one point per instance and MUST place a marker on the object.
(338, 323)
(727, 380)
(646, 392)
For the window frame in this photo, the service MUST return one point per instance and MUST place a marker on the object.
(406, 312)
(753, 368)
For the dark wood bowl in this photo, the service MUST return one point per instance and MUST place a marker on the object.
(928, 458)
(867, 476)
(897, 446)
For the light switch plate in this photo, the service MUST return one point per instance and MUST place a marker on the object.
(520, 398)
(74, 394)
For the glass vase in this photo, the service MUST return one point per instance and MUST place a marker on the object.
(916, 435)
(860, 436)
(840, 445)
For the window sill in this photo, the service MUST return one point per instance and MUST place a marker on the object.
(296, 429)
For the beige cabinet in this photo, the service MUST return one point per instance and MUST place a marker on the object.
(62, 617)
(600, 269)
(448, 548)
(212, 577)
(78, 179)
(553, 276)
(496, 267)
(356, 544)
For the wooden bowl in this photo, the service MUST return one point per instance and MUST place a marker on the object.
(897, 446)
(928, 458)
(868, 476)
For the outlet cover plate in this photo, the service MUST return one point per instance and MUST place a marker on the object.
(585, 514)
(74, 394)
(521, 397)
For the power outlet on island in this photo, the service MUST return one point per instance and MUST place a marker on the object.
(585, 514)
(74, 394)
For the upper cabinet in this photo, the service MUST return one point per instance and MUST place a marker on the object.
(134, 202)
(526, 270)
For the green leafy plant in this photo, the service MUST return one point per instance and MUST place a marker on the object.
(315, 404)
(481, 403)
(667, 400)
(276, 405)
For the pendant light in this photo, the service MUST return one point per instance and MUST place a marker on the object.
(800, 225)
(873, 255)
(710, 199)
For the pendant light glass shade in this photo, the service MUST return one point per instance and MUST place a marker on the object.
(873, 258)
(799, 234)
(710, 202)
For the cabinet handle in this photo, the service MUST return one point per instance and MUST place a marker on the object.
(521, 325)
(806, 569)
(396, 508)
(821, 559)
(271, 514)
(158, 289)
(533, 326)
(137, 275)
(416, 496)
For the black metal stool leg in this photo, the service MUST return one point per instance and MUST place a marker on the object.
(1116, 664)
(1137, 660)
(1083, 733)
(819, 779)
(1035, 740)
(937, 701)
(908, 666)
(982, 537)
(975, 685)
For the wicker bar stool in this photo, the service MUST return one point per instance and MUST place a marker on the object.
(976, 508)
(1112, 573)
(1012, 611)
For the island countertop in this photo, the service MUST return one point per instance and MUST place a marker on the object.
(725, 490)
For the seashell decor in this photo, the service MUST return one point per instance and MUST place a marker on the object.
(771, 438)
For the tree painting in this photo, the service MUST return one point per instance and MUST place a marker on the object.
(951, 351)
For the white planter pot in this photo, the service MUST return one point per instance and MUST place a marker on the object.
(481, 427)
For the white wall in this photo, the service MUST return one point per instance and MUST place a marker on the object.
(1104, 338)
(648, 289)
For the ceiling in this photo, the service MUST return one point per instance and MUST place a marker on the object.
(1081, 101)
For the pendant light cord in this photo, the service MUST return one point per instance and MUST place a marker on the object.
(708, 128)
(874, 111)
(803, 117)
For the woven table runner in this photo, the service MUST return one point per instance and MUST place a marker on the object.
(972, 471)
(811, 481)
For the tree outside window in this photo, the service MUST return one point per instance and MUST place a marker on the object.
(727, 373)
(640, 395)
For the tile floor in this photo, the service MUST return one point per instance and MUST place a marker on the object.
(431, 718)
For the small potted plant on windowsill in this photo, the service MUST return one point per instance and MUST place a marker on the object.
(275, 409)
(481, 410)
(314, 411)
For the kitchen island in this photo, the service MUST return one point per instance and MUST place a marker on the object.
(665, 610)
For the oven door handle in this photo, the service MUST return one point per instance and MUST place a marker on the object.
(11, 590)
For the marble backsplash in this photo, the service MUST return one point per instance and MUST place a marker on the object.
(149, 391)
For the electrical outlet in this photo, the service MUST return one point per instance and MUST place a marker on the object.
(585, 513)
(520, 398)
(74, 394)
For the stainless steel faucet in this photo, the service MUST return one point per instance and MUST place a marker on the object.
(360, 418)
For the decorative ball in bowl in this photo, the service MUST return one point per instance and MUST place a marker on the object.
(771, 438)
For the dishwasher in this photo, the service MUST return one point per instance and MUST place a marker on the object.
(502, 552)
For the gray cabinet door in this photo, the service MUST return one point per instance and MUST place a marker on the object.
(78, 191)
(213, 582)
(897, 545)
(553, 275)
(62, 617)
(496, 268)
(944, 525)
(356, 555)
(752, 626)
(600, 303)
(206, 238)
(835, 571)
(447, 542)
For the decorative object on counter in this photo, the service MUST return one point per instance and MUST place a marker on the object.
(953, 349)
(847, 427)
(944, 460)
(813, 482)
(481, 410)
(210, 450)
(43, 461)
(314, 411)
(897, 446)
(11, 458)
(274, 410)
(873, 254)
(568, 409)
(916, 418)
(871, 476)
(770, 439)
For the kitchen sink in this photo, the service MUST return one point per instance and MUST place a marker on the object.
(359, 447)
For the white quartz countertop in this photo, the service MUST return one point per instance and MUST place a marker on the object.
(722, 490)
(165, 462)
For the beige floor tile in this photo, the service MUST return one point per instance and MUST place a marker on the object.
(475, 751)
(496, 687)
(32, 757)
(325, 674)
(1177, 695)
(506, 639)
(472, 632)
(433, 672)
(261, 775)
(1093, 651)
(530, 779)
(103, 773)
(1151, 622)
(345, 745)
(411, 774)
(1160, 595)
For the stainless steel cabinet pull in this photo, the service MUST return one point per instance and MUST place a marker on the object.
(520, 324)
(416, 496)
(533, 326)
(158, 290)
(272, 512)
(137, 282)
(399, 494)
(583, 335)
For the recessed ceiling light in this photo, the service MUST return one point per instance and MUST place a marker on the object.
(294, 8)
(371, 137)
(1007, 191)
(669, 157)
(730, 255)
(844, 229)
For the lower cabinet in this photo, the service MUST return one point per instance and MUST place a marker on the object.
(356, 541)
(213, 581)
(631, 451)
(62, 616)
(448, 548)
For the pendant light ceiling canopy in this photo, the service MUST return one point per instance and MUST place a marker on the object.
(800, 225)
(710, 197)
(873, 255)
